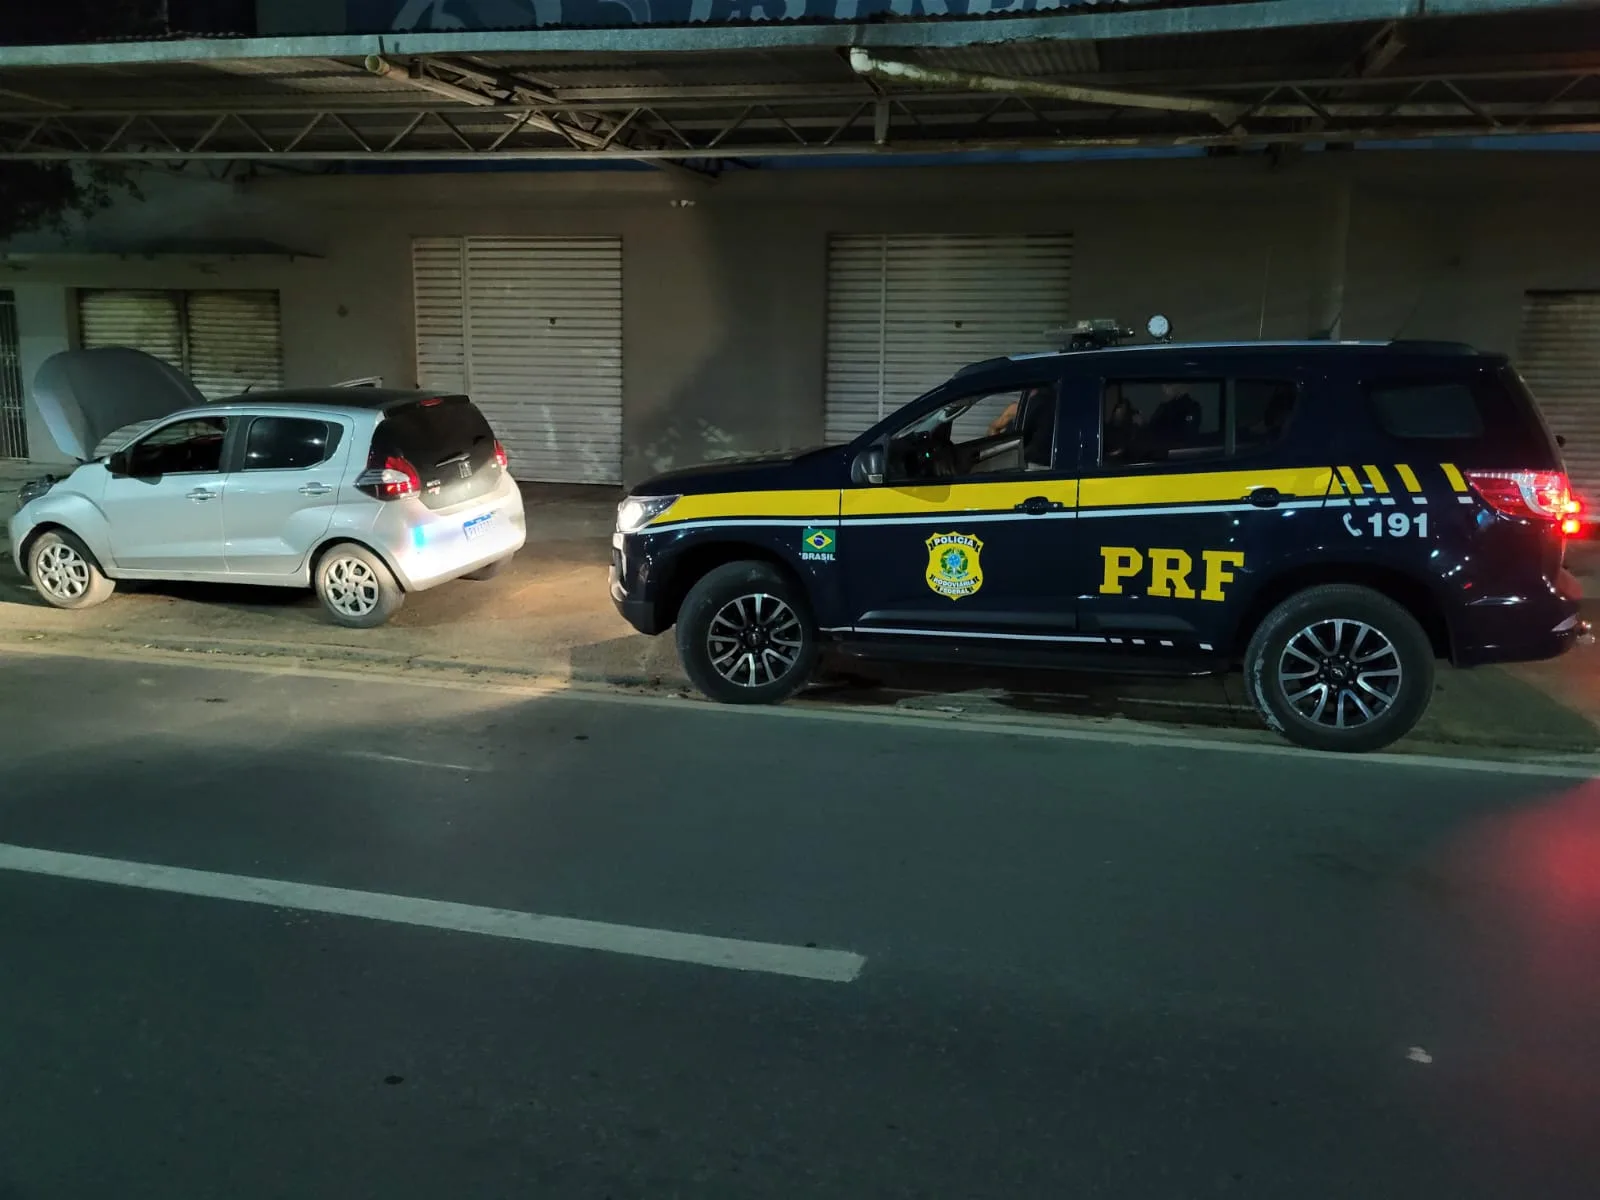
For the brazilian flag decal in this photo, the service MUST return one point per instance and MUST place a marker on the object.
(817, 543)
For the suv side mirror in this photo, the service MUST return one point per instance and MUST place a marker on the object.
(868, 466)
(117, 464)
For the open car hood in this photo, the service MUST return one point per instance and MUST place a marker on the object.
(84, 396)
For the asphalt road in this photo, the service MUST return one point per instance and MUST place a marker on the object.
(954, 962)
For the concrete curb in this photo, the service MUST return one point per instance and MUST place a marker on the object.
(323, 652)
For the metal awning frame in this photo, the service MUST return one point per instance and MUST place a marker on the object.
(785, 121)
(884, 88)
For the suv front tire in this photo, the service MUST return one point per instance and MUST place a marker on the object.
(745, 635)
(1340, 667)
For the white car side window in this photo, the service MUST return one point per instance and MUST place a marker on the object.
(182, 448)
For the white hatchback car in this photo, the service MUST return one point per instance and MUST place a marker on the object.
(362, 494)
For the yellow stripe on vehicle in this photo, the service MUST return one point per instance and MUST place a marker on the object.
(1379, 483)
(1209, 487)
(954, 497)
(1128, 491)
(1454, 476)
(820, 503)
(1352, 482)
(1409, 478)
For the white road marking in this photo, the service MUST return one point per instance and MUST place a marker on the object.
(1175, 703)
(374, 756)
(800, 962)
(1046, 729)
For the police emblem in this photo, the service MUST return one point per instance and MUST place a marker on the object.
(954, 569)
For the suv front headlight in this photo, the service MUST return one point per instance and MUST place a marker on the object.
(634, 513)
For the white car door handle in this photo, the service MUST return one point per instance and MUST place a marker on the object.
(202, 494)
(315, 489)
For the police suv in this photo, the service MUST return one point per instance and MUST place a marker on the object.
(1334, 516)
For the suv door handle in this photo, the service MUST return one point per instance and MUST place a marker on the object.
(202, 494)
(1265, 497)
(315, 489)
(1037, 506)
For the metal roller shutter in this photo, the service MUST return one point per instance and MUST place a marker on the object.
(1559, 357)
(235, 342)
(438, 274)
(532, 329)
(13, 415)
(148, 321)
(907, 310)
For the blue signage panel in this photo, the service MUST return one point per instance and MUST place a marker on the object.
(432, 16)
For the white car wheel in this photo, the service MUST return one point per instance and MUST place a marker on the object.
(63, 571)
(356, 587)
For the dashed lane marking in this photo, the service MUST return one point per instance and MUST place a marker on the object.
(732, 954)
(400, 760)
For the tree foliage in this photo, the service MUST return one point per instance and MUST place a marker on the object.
(45, 195)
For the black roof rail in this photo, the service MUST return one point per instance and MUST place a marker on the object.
(1426, 346)
(982, 365)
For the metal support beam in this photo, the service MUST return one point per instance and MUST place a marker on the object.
(869, 66)
(1380, 52)
(599, 134)
(705, 123)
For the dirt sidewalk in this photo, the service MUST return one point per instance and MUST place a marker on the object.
(549, 616)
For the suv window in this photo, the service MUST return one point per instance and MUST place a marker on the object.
(1431, 411)
(1145, 421)
(990, 433)
(288, 443)
(1262, 410)
(185, 447)
(1482, 411)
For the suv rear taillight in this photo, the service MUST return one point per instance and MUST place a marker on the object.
(500, 456)
(389, 479)
(1530, 495)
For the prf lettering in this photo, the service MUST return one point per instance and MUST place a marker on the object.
(1171, 572)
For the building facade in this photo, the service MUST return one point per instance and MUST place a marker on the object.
(619, 323)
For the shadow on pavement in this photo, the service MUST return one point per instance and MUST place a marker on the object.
(549, 615)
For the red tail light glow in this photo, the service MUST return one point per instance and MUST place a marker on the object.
(1530, 495)
(1572, 523)
(391, 479)
(500, 456)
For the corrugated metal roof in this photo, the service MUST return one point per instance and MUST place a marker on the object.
(1022, 60)
(488, 16)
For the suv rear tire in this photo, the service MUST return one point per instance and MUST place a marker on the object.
(65, 573)
(356, 587)
(746, 636)
(1340, 667)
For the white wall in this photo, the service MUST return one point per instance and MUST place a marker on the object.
(724, 299)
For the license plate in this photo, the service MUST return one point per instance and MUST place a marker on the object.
(478, 526)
